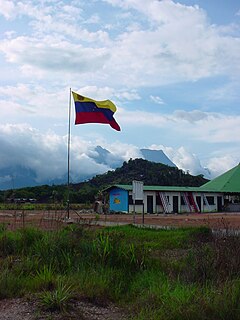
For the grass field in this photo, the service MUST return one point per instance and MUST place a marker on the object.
(152, 274)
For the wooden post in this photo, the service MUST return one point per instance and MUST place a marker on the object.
(23, 218)
(134, 218)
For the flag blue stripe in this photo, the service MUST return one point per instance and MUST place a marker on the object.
(91, 107)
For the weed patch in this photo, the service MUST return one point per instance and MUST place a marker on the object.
(57, 299)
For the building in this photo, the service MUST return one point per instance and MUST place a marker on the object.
(162, 199)
(229, 185)
(210, 197)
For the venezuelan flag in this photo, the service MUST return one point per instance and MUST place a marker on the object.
(92, 111)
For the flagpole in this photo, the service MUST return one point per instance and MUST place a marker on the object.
(68, 154)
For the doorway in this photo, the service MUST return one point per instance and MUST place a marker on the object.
(219, 204)
(175, 204)
(149, 204)
(199, 203)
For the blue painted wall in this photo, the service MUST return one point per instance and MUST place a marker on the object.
(118, 199)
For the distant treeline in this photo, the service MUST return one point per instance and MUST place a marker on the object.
(86, 192)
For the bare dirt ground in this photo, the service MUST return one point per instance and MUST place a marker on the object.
(56, 219)
(212, 220)
(22, 309)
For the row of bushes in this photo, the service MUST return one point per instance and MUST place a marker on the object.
(44, 206)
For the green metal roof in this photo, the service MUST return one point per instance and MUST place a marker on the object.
(227, 182)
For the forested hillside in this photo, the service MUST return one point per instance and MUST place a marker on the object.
(149, 172)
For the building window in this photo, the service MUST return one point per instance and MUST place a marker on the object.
(210, 200)
(158, 200)
(130, 200)
(182, 201)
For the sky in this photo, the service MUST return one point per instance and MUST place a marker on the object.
(171, 67)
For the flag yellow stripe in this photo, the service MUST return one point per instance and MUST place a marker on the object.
(105, 104)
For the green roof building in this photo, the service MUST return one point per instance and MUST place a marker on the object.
(173, 199)
(228, 182)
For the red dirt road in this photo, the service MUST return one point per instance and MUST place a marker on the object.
(212, 220)
(53, 220)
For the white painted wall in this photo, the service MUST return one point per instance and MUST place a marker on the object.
(181, 208)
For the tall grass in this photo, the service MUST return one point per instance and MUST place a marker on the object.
(156, 274)
(110, 249)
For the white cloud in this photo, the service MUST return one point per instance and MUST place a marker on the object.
(219, 165)
(57, 19)
(217, 129)
(53, 55)
(96, 93)
(103, 93)
(46, 154)
(157, 99)
(27, 100)
(181, 45)
(125, 94)
(188, 161)
(93, 19)
(142, 118)
(7, 9)
(196, 125)
(10, 34)
(191, 116)
(184, 159)
(123, 150)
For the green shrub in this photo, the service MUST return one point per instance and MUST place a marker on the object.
(11, 285)
(46, 278)
(58, 299)
(100, 283)
(110, 249)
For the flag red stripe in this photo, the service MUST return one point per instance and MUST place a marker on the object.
(95, 117)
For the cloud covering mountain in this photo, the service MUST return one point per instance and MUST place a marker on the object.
(29, 157)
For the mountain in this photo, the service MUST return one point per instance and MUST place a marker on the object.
(157, 156)
(150, 173)
(103, 156)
